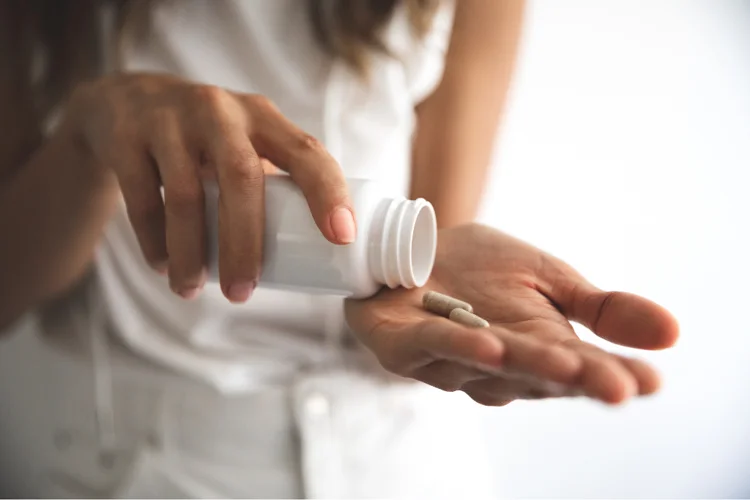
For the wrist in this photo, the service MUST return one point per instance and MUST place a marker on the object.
(71, 140)
(66, 148)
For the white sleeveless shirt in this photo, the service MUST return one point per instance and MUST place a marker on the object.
(267, 47)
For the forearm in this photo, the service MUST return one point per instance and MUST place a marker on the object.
(458, 123)
(52, 213)
(447, 170)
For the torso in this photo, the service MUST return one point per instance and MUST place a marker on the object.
(337, 433)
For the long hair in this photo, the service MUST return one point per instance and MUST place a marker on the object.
(47, 47)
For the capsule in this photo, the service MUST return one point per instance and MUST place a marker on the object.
(466, 318)
(442, 304)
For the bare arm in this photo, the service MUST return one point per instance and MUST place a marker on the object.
(458, 123)
(52, 212)
(134, 134)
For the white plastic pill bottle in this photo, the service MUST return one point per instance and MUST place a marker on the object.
(395, 245)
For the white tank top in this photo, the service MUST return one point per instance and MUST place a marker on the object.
(267, 47)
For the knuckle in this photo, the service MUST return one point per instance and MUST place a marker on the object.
(245, 168)
(162, 117)
(308, 142)
(183, 200)
(261, 103)
(211, 96)
(309, 145)
(163, 121)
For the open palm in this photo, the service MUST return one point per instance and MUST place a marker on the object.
(530, 350)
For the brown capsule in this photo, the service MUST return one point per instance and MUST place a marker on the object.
(468, 319)
(442, 304)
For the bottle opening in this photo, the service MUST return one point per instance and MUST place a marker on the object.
(405, 243)
(423, 244)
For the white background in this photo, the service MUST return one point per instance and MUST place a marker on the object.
(626, 151)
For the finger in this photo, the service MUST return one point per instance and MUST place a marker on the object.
(312, 168)
(184, 208)
(494, 402)
(619, 317)
(485, 399)
(646, 376)
(405, 350)
(494, 392)
(447, 375)
(603, 376)
(529, 356)
(241, 206)
(140, 187)
(491, 391)
(449, 341)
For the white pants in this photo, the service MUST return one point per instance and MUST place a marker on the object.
(336, 433)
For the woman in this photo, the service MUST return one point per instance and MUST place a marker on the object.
(150, 382)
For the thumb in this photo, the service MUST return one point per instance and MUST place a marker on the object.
(623, 318)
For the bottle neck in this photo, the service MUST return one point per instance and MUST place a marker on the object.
(403, 242)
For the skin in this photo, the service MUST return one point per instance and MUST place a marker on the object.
(530, 350)
(131, 134)
(458, 123)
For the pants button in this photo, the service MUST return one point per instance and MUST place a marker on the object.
(317, 405)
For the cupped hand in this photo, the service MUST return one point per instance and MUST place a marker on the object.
(159, 131)
(530, 351)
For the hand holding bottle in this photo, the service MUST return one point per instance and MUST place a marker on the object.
(157, 131)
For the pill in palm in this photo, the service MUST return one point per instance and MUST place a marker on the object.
(442, 304)
(466, 318)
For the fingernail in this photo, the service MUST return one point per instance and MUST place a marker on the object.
(343, 225)
(240, 292)
(189, 293)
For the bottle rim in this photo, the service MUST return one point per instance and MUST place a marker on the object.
(422, 244)
(406, 254)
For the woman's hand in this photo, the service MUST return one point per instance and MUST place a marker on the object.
(530, 351)
(156, 130)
